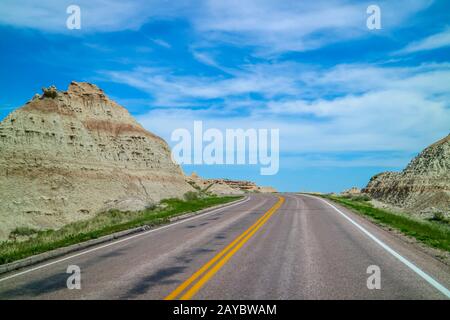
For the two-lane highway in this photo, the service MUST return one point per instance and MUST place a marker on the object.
(282, 246)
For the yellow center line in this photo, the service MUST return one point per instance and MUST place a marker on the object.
(238, 243)
(197, 274)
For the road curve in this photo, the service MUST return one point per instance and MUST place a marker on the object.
(282, 246)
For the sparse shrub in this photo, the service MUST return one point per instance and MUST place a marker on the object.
(207, 187)
(190, 195)
(440, 217)
(22, 232)
(150, 206)
(194, 185)
(50, 92)
(361, 197)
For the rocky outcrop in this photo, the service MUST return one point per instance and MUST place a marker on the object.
(352, 191)
(226, 186)
(423, 187)
(66, 156)
(246, 186)
(214, 186)
(267, 189)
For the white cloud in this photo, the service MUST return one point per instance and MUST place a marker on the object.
(206, 59)
(401, 109)
(96, 16)
(287, 80)
(361, 78)
(272, 26)
(432, 42)
(321, 160)
(169, 89)
(162, 43)
(278, 26)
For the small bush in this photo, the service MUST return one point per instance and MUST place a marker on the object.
(50, 92)
(150, 206)
(362, 197)
(194, 185)
(207, 188)
(22, 232)
(439, 217)
(190, 195)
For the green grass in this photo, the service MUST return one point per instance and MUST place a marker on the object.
(101, 225)
(433, 232)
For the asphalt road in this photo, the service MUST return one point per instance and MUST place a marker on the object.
(269, 247)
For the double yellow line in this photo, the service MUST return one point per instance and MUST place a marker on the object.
(209, 269)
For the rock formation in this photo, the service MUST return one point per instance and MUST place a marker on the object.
(226, 186)
(267, 189)
(423, 187)
(66, 156)
(352, 191)
(214, 186)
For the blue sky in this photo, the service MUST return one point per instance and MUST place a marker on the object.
(349, 102)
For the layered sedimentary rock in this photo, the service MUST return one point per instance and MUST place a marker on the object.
(422, 187)
(246, 186)
(214, 186)
(226, 186)
(66, 156)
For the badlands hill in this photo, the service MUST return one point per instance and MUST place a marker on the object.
(66, 156)
(423, 187)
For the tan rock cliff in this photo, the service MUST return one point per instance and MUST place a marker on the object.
(423, 187)
(66, 156)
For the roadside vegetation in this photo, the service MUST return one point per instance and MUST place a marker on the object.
(434, 232)
(102, 224)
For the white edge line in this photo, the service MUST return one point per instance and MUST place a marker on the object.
(405, 261)
(121, 240)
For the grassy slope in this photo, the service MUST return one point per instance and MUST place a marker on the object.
(433, 233)
(101, 225)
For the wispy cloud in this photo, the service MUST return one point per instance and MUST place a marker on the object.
(206, 59)
(271, 26)
(435, 41)
(280, 26)
(372, 108)
(265, 79)
(96, 16)
(162, 43)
